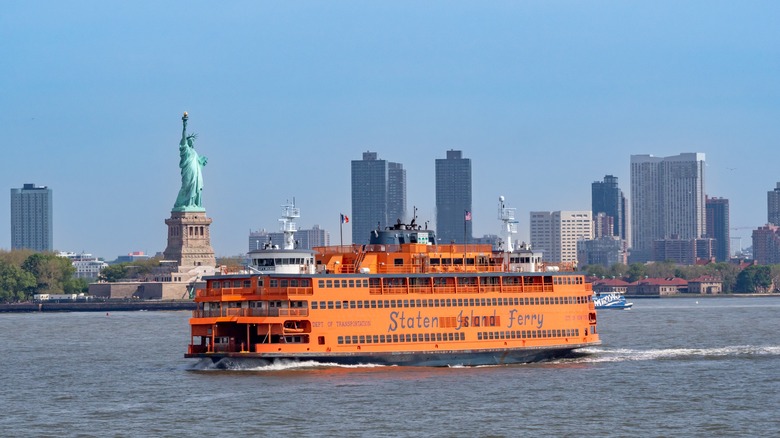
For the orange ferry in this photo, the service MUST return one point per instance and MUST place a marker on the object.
(400, 300)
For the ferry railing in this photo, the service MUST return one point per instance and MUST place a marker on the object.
(300, 290)
(252, 311)
(293, 312)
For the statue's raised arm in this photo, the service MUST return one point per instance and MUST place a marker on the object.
(189, 198)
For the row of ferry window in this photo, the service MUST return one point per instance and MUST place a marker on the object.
(274, 282)
(568, 280)
(449, 302)
(413, 337)
(529, 334)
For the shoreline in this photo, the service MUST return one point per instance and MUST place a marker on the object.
(100, 306)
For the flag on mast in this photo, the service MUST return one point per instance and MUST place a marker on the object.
(468, 215)
(344, 219)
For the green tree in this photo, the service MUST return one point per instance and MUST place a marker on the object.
(754, 279)
(618, 270)
(636, 271)
(51, 272)
(16, 284)
(596, 271)
(114, 273)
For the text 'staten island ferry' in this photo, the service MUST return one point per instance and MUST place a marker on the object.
(401, 300)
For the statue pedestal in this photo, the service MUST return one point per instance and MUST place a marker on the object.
(189, 240)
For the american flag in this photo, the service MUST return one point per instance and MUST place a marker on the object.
(468, 215)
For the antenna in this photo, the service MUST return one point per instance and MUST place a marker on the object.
(507, 216)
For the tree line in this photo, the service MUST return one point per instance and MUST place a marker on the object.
(752, 279)
(24, 273)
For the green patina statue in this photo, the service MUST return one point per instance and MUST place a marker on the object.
(191, 165)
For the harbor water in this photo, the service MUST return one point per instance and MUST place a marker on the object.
(668, 367)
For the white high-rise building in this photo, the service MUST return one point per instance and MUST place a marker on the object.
(667, 200)
(556, 233)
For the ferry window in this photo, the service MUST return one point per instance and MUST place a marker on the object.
(379, 304)
(354, 339)
(446, 261)
(409, 338)
(340, 339)
(469, 302)
(502, 335)
(457, 261)
(314, 305)
(294, 283)
(247, 283)
(365, 304)
(336, 284)
(382, 338)
(398, 262)
(395, 338)
(414, 337)
(274, 283)
(387, 304)
(392, 304)
(419, 304)
(351, 283)
(362, 339)
(435, 262)
(376, 339)
(330, 283)
(352, 305)
(470, 261)
(359, 304)
(438, 337)
(343, 283)
(347, 339)
(285, 283)
(321, 283)
(427, 337)
(338, 304)
(215, 285)
(322, 304)
(321, 340)
(330, 305)
(490, 335)
(373, 304)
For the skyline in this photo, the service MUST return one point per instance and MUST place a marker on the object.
(92, 95)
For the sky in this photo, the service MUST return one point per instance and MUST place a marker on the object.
(545, 97)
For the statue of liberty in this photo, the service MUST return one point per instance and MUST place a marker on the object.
(191, 164)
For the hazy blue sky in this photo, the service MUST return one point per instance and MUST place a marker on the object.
(545, 97)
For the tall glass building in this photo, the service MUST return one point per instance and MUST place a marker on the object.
(607, 198)
(667, 200)
(453, 198)
(378, 195)
(718, 227)
(31, 218)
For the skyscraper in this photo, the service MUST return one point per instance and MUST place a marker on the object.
(378, 191)
(556, 233)
(667, 200)
(396, 193)
(773, 205)
(31, 218)
(718, 227)
(607, 198)
(453, 198)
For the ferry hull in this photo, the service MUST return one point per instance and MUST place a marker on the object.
(425, 358)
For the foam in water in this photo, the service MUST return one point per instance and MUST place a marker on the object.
(599, 355)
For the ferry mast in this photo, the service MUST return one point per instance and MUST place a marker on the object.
(507, 216)
(289, 213)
